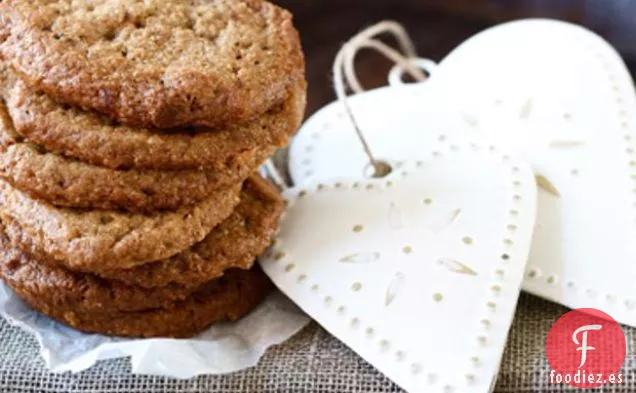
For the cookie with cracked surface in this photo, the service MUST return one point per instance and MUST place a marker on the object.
(234, 243)
(226, 299)
(95, 139)
(84, 292)
(70, 183)
(90, 240)
(156, 63)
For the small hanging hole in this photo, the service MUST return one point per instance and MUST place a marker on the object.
(419, 68)
(406, 77)
(379, 170)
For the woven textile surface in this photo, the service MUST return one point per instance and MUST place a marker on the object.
(312, 361)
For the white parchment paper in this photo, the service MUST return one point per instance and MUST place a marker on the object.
(222, 349)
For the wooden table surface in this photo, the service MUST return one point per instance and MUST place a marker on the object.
(437, 26)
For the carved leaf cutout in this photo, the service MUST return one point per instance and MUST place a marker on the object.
(526, 109)
(470, 120)
(545, 184)
(396, 284)
(361, 257)
(446, 220)
(559, 144)
(457, 267)
(395, 216)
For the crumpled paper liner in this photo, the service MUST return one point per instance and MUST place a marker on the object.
(223, 348)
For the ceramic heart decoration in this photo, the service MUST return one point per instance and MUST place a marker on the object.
(418, 272)
(577, 121)
(558, 96)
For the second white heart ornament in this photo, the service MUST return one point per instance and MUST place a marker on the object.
(558, 95)
(418, 272)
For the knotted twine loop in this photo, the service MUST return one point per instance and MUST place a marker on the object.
(344, 75)
(364, 40)
(345, 63)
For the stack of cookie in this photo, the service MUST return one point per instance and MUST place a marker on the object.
(130, 134)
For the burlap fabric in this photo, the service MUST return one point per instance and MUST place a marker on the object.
(313, 361)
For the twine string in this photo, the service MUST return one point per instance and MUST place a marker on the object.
(401, 36)
(344, 75)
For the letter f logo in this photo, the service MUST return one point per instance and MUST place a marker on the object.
(584, 347)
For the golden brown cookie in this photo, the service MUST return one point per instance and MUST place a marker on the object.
(82, 292)
(70, 183)
(156, 63)
(226, 299)
(95, 139)
(234, 243)
(91, 240)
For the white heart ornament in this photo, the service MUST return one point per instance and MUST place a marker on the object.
(575, 115)
(559, 96)
(418, 272)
